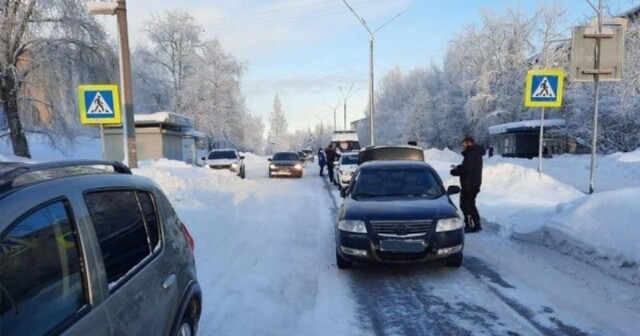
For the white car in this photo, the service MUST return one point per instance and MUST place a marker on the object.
(344, 169)
(225, 159)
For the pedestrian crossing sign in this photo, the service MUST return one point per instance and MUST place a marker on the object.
(99, 104)
(544, 88)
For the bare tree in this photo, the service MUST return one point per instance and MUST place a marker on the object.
(43, 44)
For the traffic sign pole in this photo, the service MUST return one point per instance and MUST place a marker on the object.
(541, 142)
(102, 143)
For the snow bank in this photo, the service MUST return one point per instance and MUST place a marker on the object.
(446, 154)
(607, 221)
(190, 186)
(42, 150)
(631, 157)
(518, 198)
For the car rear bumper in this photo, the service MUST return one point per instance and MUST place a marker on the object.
(358, 247)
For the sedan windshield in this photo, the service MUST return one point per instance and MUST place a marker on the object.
(285, 157)
(397, 182)
(228, 154)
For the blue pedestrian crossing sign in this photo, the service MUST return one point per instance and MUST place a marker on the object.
(99, 104)
(544, 88)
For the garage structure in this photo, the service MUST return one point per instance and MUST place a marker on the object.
(159, 135)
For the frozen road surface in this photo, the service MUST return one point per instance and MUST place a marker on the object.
(266, 263)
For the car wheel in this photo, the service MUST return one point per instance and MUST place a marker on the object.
(455, 261)
(186, 326)
(342, 262)
(242, 174)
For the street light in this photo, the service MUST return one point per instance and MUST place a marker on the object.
(119, 9)
(335, 125)
(371, 38)
(345, 97)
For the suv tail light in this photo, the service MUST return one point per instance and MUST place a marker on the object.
(187, 237)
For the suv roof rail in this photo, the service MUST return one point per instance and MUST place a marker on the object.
(16, 170)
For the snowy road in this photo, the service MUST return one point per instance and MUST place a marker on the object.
(265, 254)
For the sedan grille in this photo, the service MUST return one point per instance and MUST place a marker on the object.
(402, 228)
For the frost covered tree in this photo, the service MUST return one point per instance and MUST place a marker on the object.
(46, 48)
(175, 38)
(152, 89)
(277, 121)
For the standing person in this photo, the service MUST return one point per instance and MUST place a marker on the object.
(331, 157)
(322, 160)
(490, 151)
(470, 173)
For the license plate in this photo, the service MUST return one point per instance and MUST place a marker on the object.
(402, 246)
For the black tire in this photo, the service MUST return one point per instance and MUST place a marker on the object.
(242, 174)
(186, 327)
(342, 262)
(455, 261)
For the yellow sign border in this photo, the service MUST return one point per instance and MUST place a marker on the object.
(544, 72)
(117, 115)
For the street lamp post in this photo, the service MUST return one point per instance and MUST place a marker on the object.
(119, 9)
(372, 34)
(345, 97)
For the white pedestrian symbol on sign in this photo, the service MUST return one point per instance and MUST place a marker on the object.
(99, 106)
(544, 90)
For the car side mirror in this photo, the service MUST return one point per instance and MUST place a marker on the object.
(343, 193)
(452, 190)
(203, 158)
(241, 157)
(269, 159)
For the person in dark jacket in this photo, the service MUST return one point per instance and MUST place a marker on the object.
(322, 160)
(331, 157)
(470, 173)
(490, 151)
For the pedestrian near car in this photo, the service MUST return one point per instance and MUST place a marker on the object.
(491, 151)
(470, 173)
(331, 157)
(322, 160)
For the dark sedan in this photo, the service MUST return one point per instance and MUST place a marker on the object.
(398, 212)
(285, 164)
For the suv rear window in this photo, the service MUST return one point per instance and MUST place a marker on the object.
(215, 155)
(127, 228)
(41, 280)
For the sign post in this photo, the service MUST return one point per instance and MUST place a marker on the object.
(99, 105)
(597, 54)
(544, 89)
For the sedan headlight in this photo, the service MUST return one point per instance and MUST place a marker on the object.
(234, 165)
(272, 166)
(298, 166)
(449, 224)
(350, 225)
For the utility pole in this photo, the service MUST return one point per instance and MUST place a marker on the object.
(345, 97)
(372, 34)
(119, 9)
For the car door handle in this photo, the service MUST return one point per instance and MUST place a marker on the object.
(170, 281)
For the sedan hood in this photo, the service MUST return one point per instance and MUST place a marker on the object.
(398, 208)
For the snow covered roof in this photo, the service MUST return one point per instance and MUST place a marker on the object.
(339, 136)
(194, 133)
(170, 118)
(525, 125)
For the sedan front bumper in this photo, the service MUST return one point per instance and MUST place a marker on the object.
(361, 247)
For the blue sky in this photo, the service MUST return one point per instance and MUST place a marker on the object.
(305, 49)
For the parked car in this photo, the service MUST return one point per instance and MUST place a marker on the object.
(302, 158)
(396, 210)
(226, 159)
(343, 172)
(308, 154)
(92, 251)
(285, 164)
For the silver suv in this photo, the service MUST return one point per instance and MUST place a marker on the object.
(87, 248)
